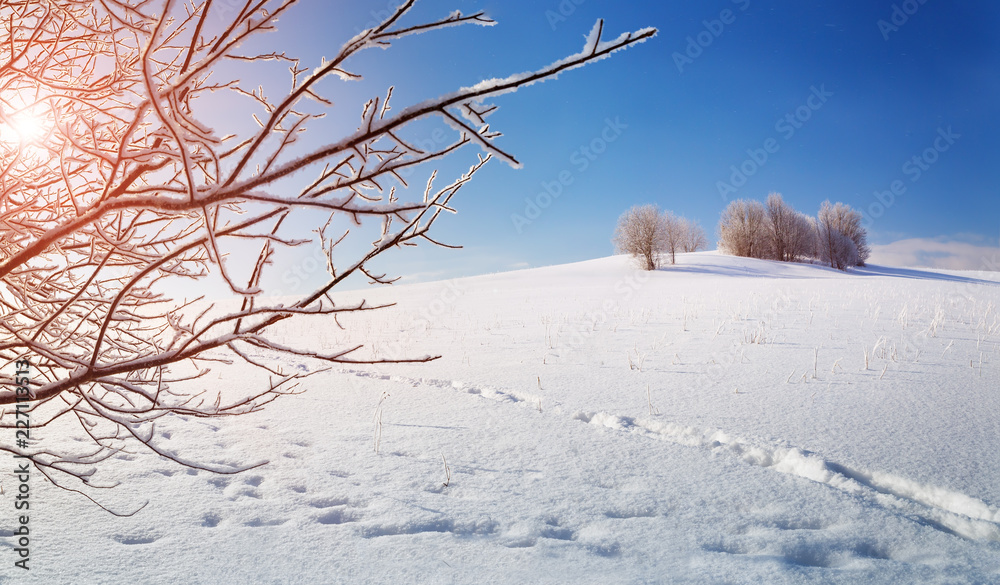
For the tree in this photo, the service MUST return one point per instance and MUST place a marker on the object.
(694, 236)
(642, 233)
(801, 238)
(848, 222)
(779, 222)
(675, 234)
(834, 245)
(742, 230)
(118, 189)
(791, 234)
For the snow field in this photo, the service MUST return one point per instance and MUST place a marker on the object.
(722, 421)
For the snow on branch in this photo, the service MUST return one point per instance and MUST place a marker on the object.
(120, 192)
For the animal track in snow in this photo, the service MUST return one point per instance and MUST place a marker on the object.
(802, 553)
(946, 510)
(338, 516)
(557, 533)
(484, 391)
(328, 503)
(210, 520)
(257, 523)
(219, 482)
(633, 513)
(471, 528)
(136, 539)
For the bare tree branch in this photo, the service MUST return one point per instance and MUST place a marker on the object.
(116, 192)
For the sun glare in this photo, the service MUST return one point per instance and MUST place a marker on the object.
(22, 127)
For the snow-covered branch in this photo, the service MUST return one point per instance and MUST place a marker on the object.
(118, 189)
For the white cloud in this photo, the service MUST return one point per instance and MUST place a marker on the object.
(943, 253)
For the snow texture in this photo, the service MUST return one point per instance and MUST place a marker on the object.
(725, 420)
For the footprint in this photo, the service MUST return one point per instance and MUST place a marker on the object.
(255, 481)
(480, 527)
(299, 489)
(219, 482)
(606, 549)
(797, 524)
(248, 492)
(328, 503)
(525, 542)
(139, 539)
(870, 550)
(210, 520)
(624, 514)
(337, 517)
(257, 523)
(557, 533)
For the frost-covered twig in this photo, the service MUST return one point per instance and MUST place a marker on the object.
(121, 192)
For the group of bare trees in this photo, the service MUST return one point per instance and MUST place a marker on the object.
(774, 230)
(771, 230)
(120, 190)
(647, 234)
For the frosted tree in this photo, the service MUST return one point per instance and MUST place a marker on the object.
(742, 229)
(675, 234)
(642, 232)
(834, 246)
(848, 222)
(694, 236)
(779, 218)
(801, 243)
(791, 234)
(119, 188)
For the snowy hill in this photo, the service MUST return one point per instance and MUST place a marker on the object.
(725, 420)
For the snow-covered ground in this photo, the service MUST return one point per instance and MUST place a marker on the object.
(721, 421)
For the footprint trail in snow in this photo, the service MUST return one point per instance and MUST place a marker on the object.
(952, 512)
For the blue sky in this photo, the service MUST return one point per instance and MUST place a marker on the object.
(672, 119)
